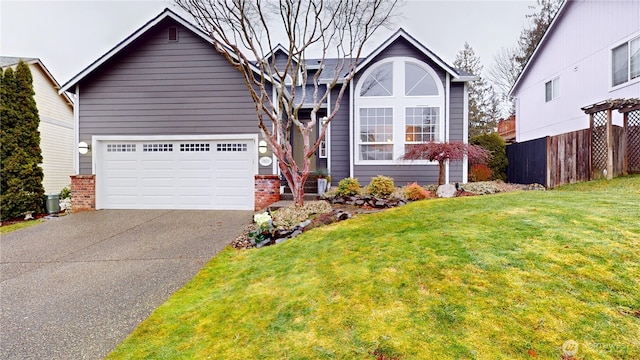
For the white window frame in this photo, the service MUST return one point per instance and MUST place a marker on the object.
(629, 81)
(399, 102)
(555, 89)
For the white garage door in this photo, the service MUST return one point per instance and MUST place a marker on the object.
(191, 174)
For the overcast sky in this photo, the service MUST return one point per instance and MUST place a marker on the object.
(69, 35)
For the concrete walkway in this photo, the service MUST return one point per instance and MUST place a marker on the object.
(75, 286)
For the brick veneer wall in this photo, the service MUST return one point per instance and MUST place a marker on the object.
(267, 190)
(83, 193)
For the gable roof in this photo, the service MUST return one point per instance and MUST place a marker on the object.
(166, 14)
(7, 61)
(458, 75)
(546, 35)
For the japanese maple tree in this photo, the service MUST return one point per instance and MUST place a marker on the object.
(448, 151)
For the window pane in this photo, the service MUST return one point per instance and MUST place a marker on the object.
(421, 124)
(634, 58)
(418, 82)
(548, 91)
(556, 88)
(376, 152)
(376, 125)
(620, 61)
(379, 82)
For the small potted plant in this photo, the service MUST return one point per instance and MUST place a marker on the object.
(323, 180)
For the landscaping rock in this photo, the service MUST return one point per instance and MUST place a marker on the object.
(264, 242)
(446, 191)
(379, 203)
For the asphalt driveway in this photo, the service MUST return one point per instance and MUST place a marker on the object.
(75, 286)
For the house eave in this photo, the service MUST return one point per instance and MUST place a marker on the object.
(546, 35)
(428, 53)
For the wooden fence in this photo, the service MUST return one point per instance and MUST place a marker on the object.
(566, 158)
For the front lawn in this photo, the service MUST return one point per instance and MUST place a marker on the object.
(507, 276)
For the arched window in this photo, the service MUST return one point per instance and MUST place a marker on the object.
(399, 101)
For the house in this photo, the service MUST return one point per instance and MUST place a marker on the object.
(507, 129)
(590, 53)
(56, 124)
(170, 123)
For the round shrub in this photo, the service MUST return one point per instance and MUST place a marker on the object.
(415, 192)
(498, 149)
(381, 186)
(479, 172)
(348, 187)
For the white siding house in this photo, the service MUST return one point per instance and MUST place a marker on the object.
(590, 53)
(56, 125)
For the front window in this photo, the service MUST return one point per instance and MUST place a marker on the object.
(625, 62)
(376, 133)
(421, 124)
(400, 103)
(379, 82)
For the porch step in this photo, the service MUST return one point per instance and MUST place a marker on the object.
(288, 196)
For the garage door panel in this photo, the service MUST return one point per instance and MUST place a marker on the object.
(158, 164)
(162, 174)
(119, 165)
(201, 183)
(116, 182)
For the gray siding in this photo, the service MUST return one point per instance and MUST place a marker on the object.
(456, 123)
(340, 138)
(401, 174)
(156, 87)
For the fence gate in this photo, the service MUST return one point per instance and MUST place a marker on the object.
(598, 144)
(632, 126)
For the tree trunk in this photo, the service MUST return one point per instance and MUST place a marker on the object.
(441, 173)
(295, 181)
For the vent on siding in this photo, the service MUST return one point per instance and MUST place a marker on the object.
(231, 147)
(173, 34)
(121, 147)
(194, 147)
(157, 147)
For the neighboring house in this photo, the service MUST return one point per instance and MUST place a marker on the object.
(56, 124)
(590, 53)
(172, 125)
(507, 129)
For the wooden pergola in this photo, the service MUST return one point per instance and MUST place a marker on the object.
(603, 144)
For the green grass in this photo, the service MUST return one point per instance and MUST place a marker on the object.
(17, 226)
(504, 276)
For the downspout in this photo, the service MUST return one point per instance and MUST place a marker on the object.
(351, 120)
(465, 129)
(76, 130)
(447, 125)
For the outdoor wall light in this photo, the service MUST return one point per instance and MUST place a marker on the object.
(262, 147)
(83, 147)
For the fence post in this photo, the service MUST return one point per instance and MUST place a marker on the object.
(591, 142)
(609, 146)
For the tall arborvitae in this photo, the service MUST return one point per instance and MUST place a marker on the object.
(21, 173)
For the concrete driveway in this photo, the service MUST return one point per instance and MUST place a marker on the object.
(75, 286)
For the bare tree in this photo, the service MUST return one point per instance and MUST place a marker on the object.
(509, 62)
(503, 74)
(243, 31)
